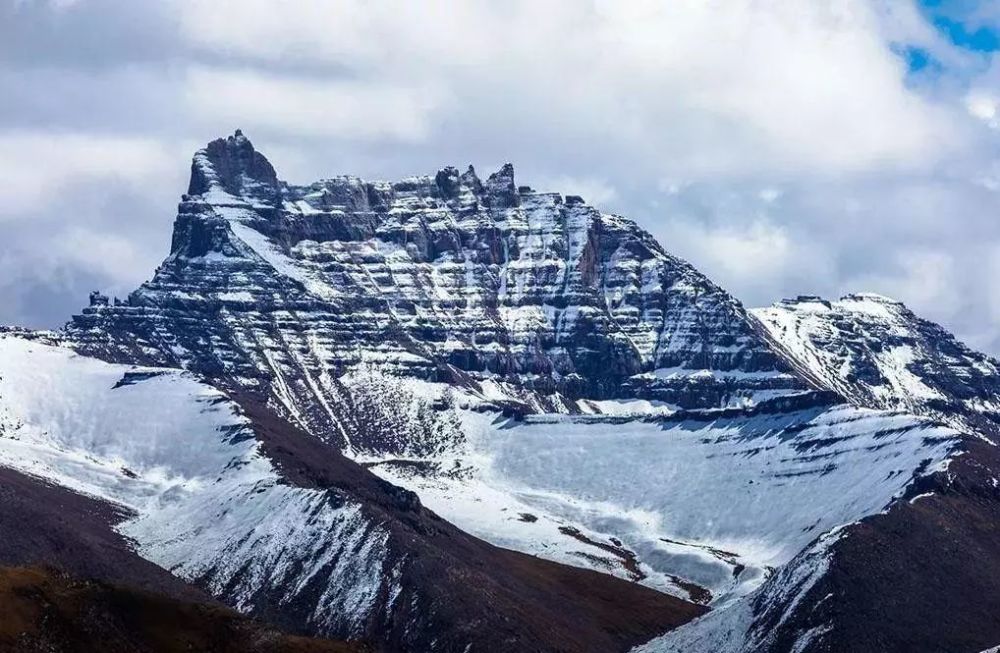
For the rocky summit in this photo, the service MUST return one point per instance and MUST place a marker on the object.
(534, 301)
(876, 352)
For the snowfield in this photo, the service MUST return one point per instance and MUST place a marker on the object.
(706, 505)
(206, 504)
(714, 499)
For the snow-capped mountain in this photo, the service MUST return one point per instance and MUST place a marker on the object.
(877, 353)
(530, 299)
(550, 380)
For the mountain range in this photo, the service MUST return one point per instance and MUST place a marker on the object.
(450, 413)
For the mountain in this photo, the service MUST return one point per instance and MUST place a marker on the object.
(918, 575)
(343, 370)
(876, 352)
(530, 300)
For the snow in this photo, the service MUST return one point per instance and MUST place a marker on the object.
(236, 296)
(627, 407)
(205, 502)
(694, 497)
(920, 496)
(673, 373)
(733, 628)
(895, 363)
(277, 259)
(806, 328)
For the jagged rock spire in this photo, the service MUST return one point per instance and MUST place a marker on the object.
(501, 192)
(234, 166)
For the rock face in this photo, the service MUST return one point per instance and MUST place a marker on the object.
(877, 353)
(279, 288)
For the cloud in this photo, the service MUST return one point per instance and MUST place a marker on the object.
(924, 276)
(685, 86)
(597, 192)
(36, 165)
(348, 109)
(783, 147)
(78, 213)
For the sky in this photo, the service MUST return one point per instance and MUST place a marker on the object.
(783, 147)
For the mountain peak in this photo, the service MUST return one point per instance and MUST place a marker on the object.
(850, 301)
(233, 166)
(870, 297)
(500, 189)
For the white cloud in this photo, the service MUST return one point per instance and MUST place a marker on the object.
(348, 109)
(922, 277)
(597, 192)
(780, 146)
(983, 106)
(770, 195)
(57, 5)
(755, 255)
(695, 88)
(35, 166)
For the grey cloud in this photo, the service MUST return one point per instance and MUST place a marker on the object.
(560, 109)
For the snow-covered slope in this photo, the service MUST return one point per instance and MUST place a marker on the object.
(207, 504)
(877, 353)
(276, 287)
(919, 577)
(279, 525)
(702, 504)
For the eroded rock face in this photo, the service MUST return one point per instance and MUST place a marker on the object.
(876, 352)
(280, 288)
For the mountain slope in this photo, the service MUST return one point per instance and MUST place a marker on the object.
(70, 582)
(702, 504)
(281, 526)
(878, 353)
(47, 611)
(917, 578)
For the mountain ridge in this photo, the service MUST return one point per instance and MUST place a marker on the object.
(539, 299)
(877, 352)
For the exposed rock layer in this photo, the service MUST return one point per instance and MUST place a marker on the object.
(280, 288)
(877, 353)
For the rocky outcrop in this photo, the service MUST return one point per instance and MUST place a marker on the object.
(877, 353)
(280, 288)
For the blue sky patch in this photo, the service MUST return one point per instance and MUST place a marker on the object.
(918, 60)
(957, 21)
